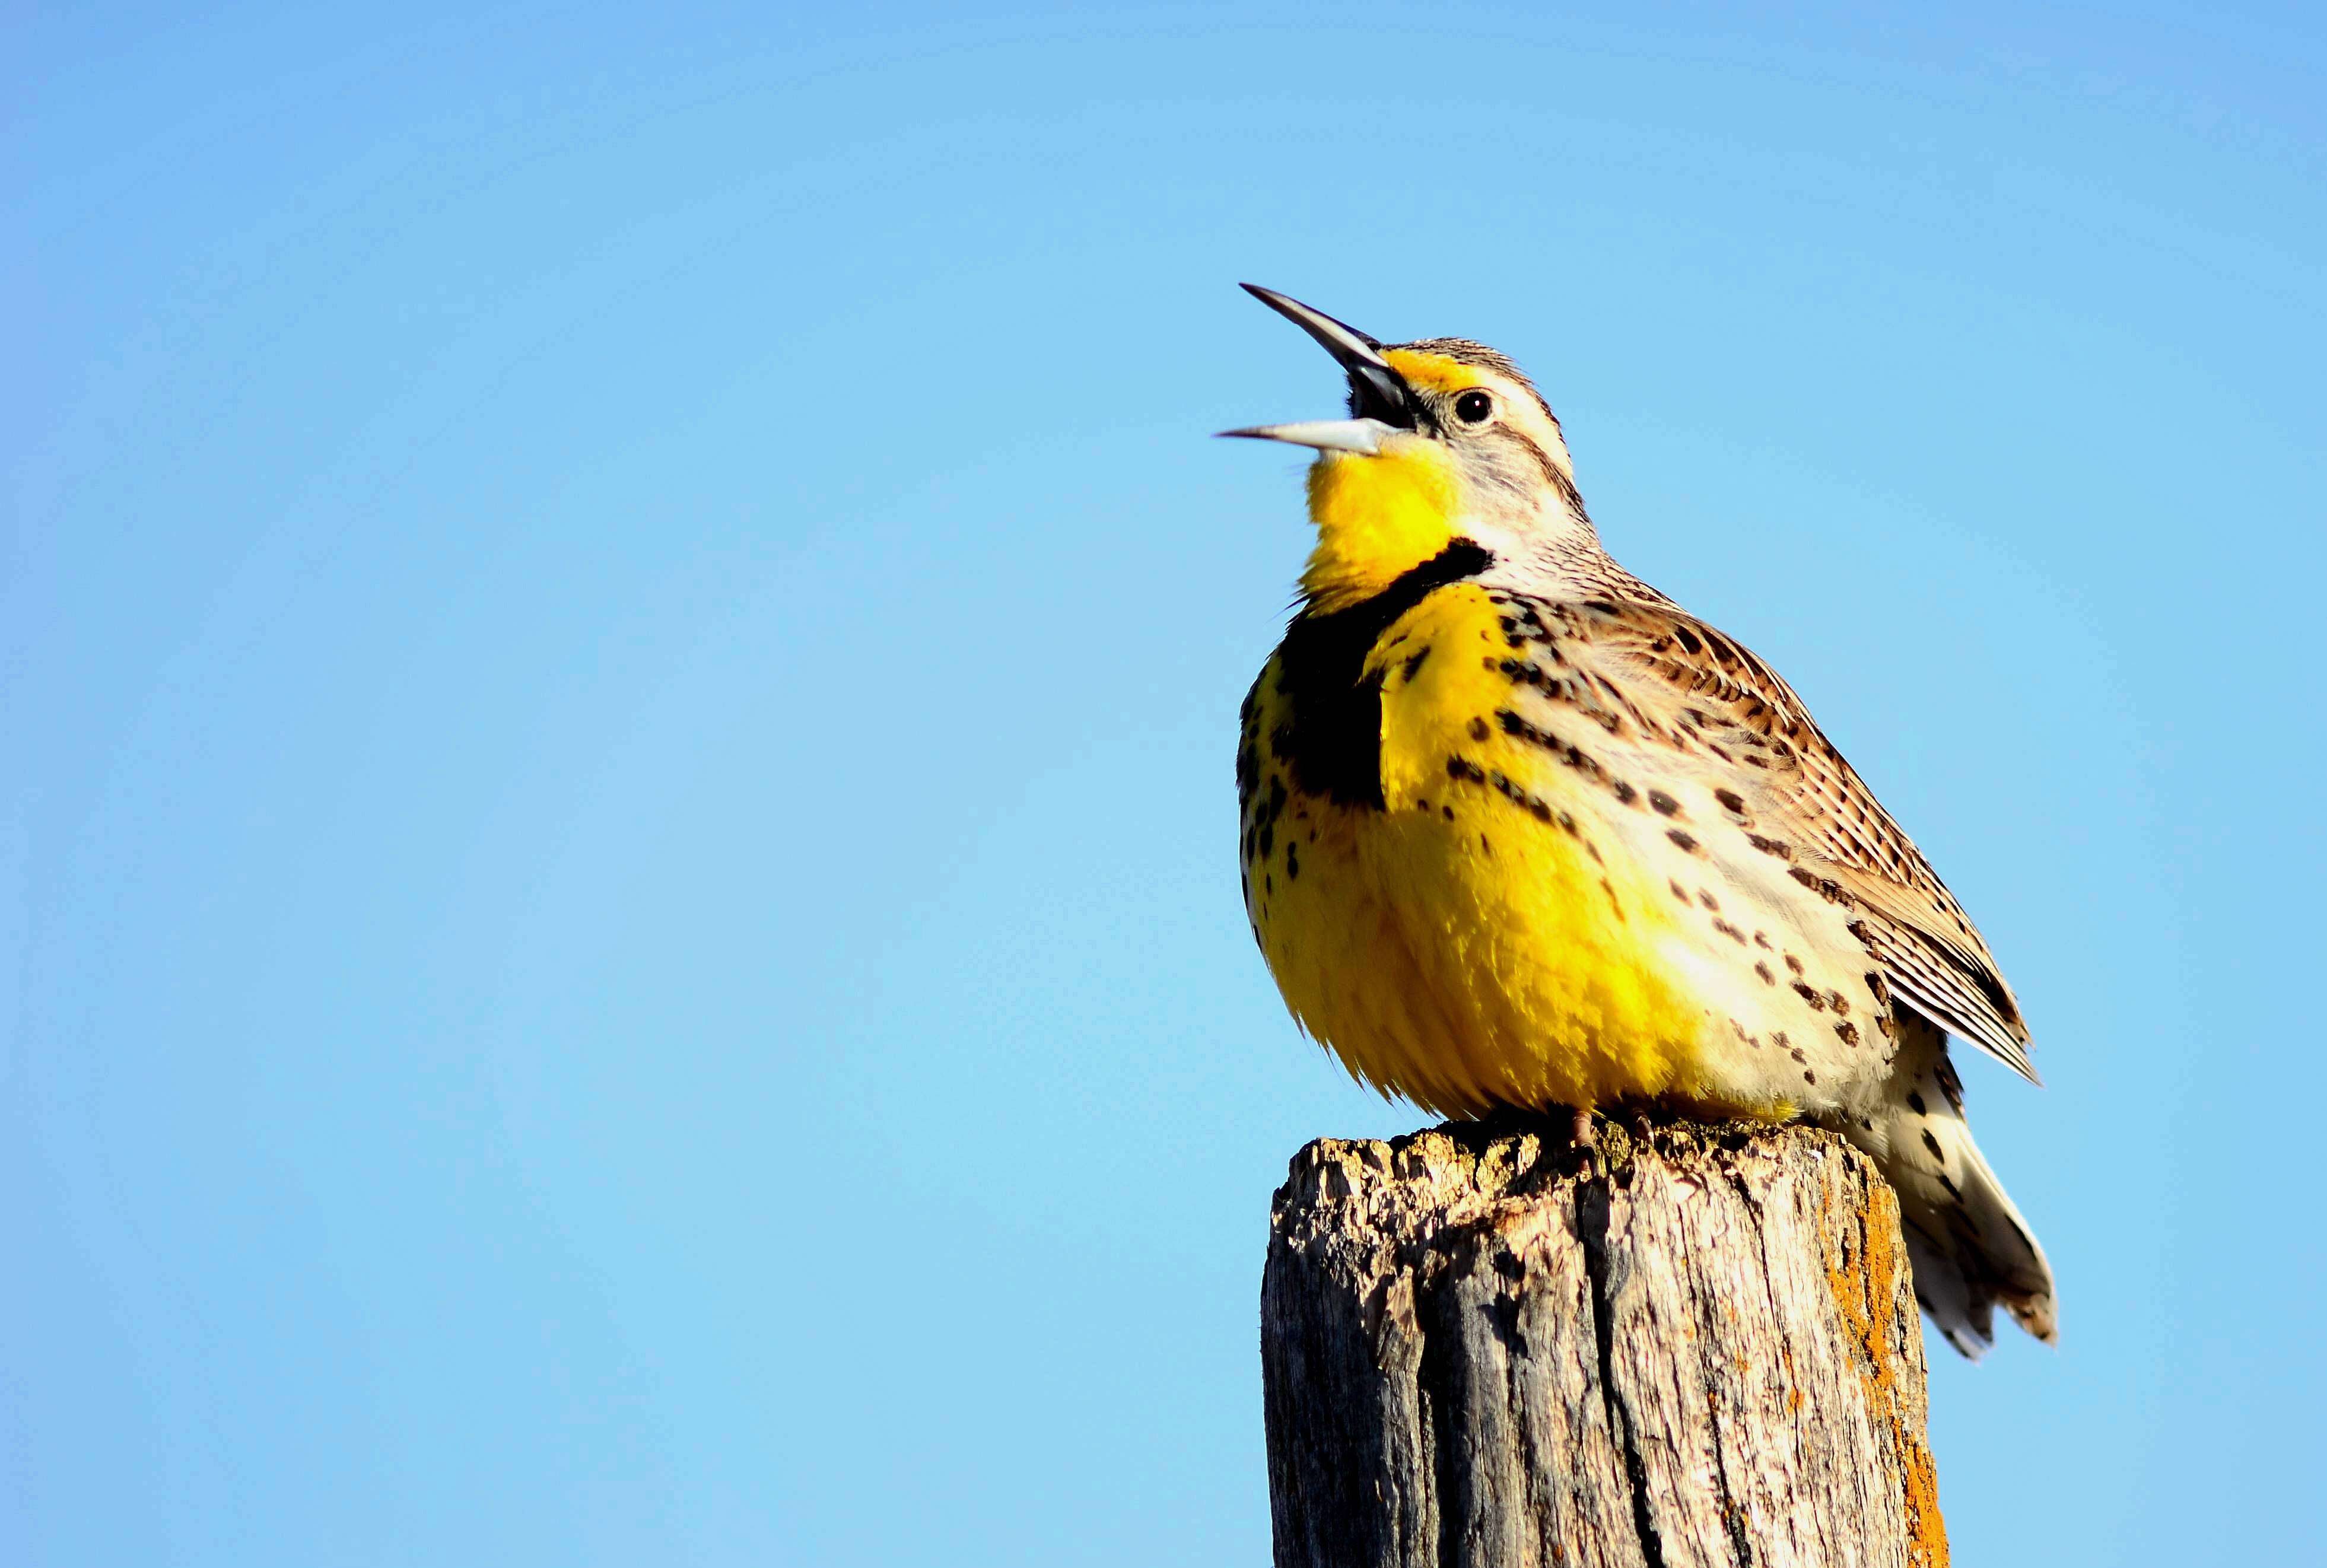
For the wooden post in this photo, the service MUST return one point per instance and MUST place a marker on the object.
(1700, 1347)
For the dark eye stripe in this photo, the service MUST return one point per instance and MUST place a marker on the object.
(1551, 474)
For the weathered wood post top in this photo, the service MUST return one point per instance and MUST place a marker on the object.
(1483, 1345)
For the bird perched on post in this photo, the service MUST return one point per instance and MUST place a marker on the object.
(1519, 830)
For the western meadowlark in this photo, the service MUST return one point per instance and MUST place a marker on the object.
(1519, 830)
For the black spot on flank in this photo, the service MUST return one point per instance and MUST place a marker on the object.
(1731, 800)
(1678, 891)
(1950, 1085)
(1764, 971)
(1810, 1079)
(1478, 729)
(1413, 662)
(1793, 962)
(1705, 896)
(1824, 887)
(1847, 1032)
(1730, 931)
(1447, 812)
(1292, 861)
(1688, 845)
(1332, 732)
(1626, 793)
(1665, 805)
(1769, 846)
(1915, 1102)
(1933, 1145)
(1574, 757)
(1811, 996)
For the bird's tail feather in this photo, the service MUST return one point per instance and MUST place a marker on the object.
(1970, 1247)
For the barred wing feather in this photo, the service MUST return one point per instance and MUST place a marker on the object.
(1710, 694)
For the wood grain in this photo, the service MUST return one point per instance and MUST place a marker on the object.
(1698, 1346)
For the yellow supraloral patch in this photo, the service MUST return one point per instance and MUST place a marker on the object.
(1435, 371)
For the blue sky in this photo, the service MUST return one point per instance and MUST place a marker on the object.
(617, 922)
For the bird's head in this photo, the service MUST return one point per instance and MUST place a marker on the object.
(1447, 442)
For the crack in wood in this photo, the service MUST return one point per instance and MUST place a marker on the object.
(1592, 1202)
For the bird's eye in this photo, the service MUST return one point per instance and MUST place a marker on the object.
(1473, 407)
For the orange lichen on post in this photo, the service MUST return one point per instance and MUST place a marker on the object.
(1866, 1291)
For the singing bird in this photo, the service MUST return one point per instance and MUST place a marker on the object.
(1519, 830)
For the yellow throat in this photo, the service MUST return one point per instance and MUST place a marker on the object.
(1377, 517)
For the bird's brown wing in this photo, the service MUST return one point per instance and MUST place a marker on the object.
(1717, 698)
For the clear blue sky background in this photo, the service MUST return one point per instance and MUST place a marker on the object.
(622, 637)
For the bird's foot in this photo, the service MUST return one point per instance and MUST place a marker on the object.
(1584, 1139)
(1644, 1127)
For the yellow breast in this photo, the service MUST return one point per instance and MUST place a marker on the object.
(1477, 937)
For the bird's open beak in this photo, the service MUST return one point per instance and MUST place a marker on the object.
(1380, 399)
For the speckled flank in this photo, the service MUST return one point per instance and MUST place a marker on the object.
(1482, 929)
